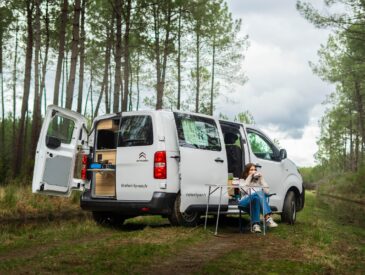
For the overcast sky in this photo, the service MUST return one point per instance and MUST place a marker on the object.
(283, 95)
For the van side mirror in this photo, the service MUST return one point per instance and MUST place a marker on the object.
(283, 154)
(53, 142)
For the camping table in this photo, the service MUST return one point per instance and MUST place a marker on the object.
(212, 188)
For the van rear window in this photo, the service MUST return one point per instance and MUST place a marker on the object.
(197, 132)
(135, 131)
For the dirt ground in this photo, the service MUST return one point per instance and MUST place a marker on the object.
(228, 239)
(193, 259)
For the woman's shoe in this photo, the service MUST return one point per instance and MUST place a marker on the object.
(256, 228)
(270, 222)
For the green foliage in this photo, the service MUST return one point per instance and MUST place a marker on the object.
(223, 116)
(10, 197)
(6, 17)
(151, 49)
(245, 117)
(7, 155)
(18, 202)
(349, 185)
(312, 175)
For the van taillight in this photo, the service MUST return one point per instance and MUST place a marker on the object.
(84, 167)
(160, 168)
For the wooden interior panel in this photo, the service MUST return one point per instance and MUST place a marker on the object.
(105, 184)
(107, 124)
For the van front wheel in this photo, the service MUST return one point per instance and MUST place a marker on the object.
(289, 213)
(178, 218)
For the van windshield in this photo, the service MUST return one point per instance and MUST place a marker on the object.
(135, 131)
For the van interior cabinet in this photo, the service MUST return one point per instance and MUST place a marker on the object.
(105, 154)
(105, 181)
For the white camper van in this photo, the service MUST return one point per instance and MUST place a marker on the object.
(157, 162)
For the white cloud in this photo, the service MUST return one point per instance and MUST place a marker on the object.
(282, 93)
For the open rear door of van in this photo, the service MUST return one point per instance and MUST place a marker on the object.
(61, 138)
(203, 161)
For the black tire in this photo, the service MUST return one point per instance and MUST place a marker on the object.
(177, 218)
(108, 218)
(289, 213)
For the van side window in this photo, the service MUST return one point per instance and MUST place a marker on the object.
(135, 131)
(197, 132)
(61, 128)
(261, 147)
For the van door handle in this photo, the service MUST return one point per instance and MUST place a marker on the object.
(258, 165)
(175, 157)
(219, 160)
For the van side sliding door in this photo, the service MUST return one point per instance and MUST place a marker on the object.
(203, 160)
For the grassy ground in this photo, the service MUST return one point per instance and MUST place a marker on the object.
(348, 185)
(329, 237)
(18, 203)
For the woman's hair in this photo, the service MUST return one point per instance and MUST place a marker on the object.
(247, 170)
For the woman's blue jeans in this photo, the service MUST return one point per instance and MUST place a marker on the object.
(258, 203)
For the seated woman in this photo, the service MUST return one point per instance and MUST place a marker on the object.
(257, 198)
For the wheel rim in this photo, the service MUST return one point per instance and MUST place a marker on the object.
(189, 217)
(294, 212)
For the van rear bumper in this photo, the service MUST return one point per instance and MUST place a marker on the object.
(161, 203)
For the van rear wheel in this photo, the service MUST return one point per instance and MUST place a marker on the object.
(108, 218)
(177, 218)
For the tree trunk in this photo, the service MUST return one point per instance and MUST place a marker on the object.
(99, 100)
(2, 137)
(137, 80)
(357, 147)
(118, 55)
(360, 109)
(91, 94)
(105, 85)
(351, 143)
(159, 89)
(161, 72)
(130, 88)
(36, 119)
(74, 54)
(82, 57)
(197, 72)
(19, 149)
(14, 84)
(88, 92)
(165, 53)
(212, 85)
(64, 78)
(61, 51)
(179, 61)
(44, 67)
(126, 54)
(110, 88)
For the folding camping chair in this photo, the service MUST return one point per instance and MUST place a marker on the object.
(240, 208)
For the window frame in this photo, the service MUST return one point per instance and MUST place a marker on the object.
(179, 128)
(275, 151)
(119, 135)
(61, 139)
